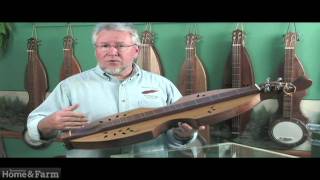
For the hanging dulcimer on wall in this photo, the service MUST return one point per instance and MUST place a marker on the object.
(3, 153)
(149, 58)
(70, 64)
(198, 109)
(288, 127)
(193, 78)
(36, 82)
(238, 73)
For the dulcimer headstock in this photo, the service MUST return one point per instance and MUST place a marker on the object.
(147, 37)
(192, 40)
(68, 42)
(33, 44)
(238, 37)
(288, 88)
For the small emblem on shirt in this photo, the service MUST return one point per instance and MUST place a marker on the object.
(149, 91)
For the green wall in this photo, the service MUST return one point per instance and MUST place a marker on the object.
(264, 42)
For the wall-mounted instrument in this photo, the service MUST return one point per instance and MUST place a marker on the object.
(238, 73)
(36, 82)
(193, 78)
(139, 125)
(149, 58)
(70, 64)
(288, 128)
(3, 153)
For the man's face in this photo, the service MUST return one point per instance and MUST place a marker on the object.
(116, 52)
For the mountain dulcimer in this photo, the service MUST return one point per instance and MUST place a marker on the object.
(288, 126)
(238, 73)
(149, 58)
(209, 107)
(36, 82)
(70, 64)
(3, 153)
(193, 78)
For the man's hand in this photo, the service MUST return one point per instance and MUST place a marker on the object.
(184, 131)
(63, 120)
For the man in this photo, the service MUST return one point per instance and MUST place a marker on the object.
(115, 85)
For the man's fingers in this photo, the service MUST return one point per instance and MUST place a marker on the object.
(72, 114)
(185, 130)
(73, 125)
(185, 126)
(72, 108)
(74, 119)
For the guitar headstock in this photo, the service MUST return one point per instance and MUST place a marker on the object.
(238, 37)
(68, 42)
(278, 86)
(192, 40)
(147, 37)
(291, 39)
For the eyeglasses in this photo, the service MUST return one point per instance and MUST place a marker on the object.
(119, 47)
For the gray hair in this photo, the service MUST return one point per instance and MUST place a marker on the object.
(128, 27)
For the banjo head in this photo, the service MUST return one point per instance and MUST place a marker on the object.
(288, 132)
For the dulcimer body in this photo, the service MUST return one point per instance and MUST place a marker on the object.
(94, 136)
(193, 77)
(149, 58)
(139, 125)
(36, 81)
(238, 73)
(70, 64)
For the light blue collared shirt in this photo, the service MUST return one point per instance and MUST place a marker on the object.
(100, 94)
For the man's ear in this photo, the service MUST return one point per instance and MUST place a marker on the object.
(137, 49)
(137, 52)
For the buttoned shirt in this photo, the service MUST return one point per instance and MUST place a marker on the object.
(100, 94)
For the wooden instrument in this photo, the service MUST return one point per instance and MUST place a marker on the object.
(193, 78)
(3, 153)
(149, 58)
(70, 64)
(36, 82)
(197, 109)
(288, 128)
(238, 73)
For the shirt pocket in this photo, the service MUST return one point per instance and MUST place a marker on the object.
(152, 100)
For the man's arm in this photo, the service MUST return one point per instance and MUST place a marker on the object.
(54, 114)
